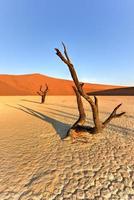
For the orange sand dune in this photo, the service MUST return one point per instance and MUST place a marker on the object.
(29, 84)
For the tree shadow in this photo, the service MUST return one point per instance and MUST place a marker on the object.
(75, 108)
(61, 105)
(60, 127)
(114, 127)
(63, 112)
(30, 101)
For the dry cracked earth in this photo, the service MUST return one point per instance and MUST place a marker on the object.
(36, 164)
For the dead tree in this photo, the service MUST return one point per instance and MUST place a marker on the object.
(78, 127)
(43, 93)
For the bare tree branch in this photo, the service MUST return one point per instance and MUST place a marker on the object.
(81, 84)
(74, 75)
(113, 115)
(65, 52)
(79, 91)
(82, 115)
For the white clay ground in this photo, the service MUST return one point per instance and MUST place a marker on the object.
(37, 165)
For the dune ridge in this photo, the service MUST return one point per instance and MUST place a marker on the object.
(29, 84)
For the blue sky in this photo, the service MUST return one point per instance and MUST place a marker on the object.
(99, 35)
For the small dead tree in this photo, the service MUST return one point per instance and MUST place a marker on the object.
(43, 93)
(78, 127)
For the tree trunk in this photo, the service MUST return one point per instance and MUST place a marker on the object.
(78, 127)
(43, 93)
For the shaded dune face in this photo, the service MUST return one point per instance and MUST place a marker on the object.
(29, 85)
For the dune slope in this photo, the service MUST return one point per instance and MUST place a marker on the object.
(30, 84)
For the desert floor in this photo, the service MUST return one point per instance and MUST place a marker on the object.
(36, 164)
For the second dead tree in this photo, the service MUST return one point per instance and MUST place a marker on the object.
(43, 93)
(78, 127)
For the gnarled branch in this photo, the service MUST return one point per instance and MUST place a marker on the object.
(113, 115)
(79, 91)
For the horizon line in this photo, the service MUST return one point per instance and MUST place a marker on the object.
(86, 82)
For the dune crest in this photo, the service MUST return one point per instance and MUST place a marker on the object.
(29, 85)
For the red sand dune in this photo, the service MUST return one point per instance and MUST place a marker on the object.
(29, 85)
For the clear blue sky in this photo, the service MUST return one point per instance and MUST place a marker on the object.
(99, 35)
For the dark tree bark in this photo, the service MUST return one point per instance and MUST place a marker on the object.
(78, 126)
(43, 93)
